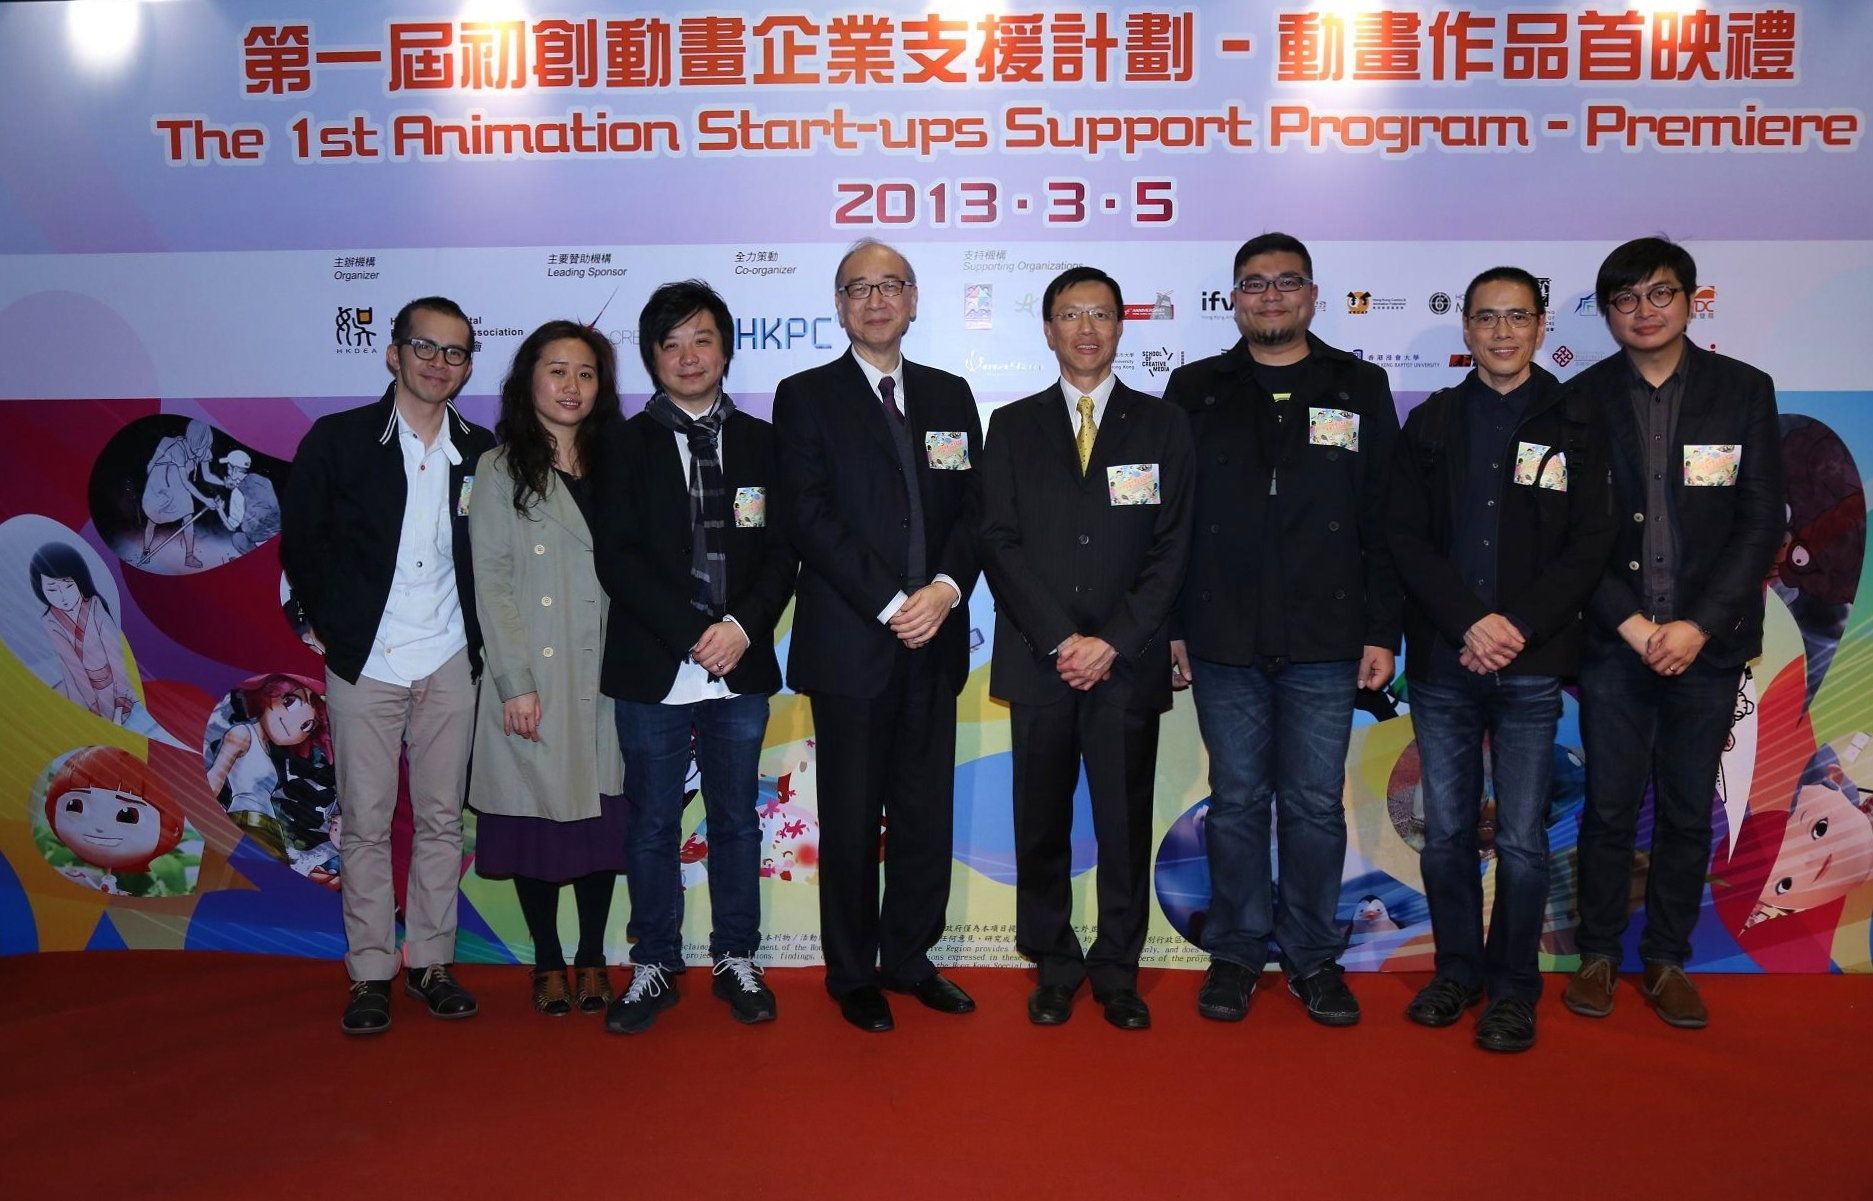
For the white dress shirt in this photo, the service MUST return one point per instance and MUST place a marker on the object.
(421, 628)
(1100, 395)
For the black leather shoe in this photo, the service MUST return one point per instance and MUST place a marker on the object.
(1441, 1002)
(867, 1009)
(1126, 1010)
(1226, 990)
(1326, 996)
(368, 1011)
(1050, 1005)
(1507, 1025)
(939, 994)
(435, 987)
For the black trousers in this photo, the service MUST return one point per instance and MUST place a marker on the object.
(889, 757)
(1119, 747)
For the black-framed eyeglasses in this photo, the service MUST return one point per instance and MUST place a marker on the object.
(1255, 285)
(426, 350)
(1659, 296)
(1489, 318)
(859, 289)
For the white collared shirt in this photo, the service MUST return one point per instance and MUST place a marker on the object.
(1100, 394)
(872, 376)
(422, 623)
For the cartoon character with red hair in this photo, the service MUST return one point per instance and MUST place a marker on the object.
(268, 756)
(108, 809)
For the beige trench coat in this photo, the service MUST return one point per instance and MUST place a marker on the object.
(543, 619)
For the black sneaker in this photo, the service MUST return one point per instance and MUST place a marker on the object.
(1507, 1025)
(1326, 996)
(1441, 1002)
(651, 993)
(435, 987)
(738, 981)
(1226, 990)
(368, 1011)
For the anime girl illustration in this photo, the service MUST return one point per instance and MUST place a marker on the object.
(83, 633)
(171, 494)
(113, 827)
(268, 757)
(1827, 846)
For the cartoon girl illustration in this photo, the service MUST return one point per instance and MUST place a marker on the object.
(83, 633)
(170, 493)
(106, 807)
(1827, 846)
(269, 762)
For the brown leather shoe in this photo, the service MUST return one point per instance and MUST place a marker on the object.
(593, 993)
(1590, 990)
(1672, 995)
(549, 992)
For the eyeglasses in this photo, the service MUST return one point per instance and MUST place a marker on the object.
(1255, 285)
(1659, 296)
(426, 350)
(859, 289)
(1072, 316)
(1489, 318)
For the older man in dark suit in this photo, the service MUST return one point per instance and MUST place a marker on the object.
(1086, 526)
(877, 458)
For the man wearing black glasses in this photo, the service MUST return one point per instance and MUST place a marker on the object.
(1698, 501)
(1500, 528)
(877, 463)
(1289, 608)
(374, 538)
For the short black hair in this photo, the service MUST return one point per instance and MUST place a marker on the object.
(1640, 259)
(670, 306)
(1273, 243)
(1080, 275)
(1509, 275)
(400, 328)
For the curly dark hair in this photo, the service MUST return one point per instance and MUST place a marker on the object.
(528, 444)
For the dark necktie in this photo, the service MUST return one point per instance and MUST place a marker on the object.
(887, 387)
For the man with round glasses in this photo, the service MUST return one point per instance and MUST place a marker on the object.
(1290, 606)
(1698, 503)
(374, 538)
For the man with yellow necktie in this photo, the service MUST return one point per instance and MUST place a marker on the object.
(1086, 523)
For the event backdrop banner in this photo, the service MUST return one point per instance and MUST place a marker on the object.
(211, 211)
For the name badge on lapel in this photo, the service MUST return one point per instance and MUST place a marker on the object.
(461, 498)
(946, 450)
(1333, 427)
(1133, 484)
(1541, 466)
(750, 507)
(1711, 466)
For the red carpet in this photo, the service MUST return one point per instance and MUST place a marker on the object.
(201, 1076)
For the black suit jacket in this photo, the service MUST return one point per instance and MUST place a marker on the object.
(1340, 591)
(843, 484)
(642, 552)
(342, 518)
(1063, 559)
(1727, 535)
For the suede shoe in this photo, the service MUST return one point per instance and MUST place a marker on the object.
(1507, 1026)
(651, 993)
(592, 993)
(1050, 1005)
(1590, 989)
(1126, 1009)
(1226, 990)
(934, 992)
(738, 981)
(1326, 996)
(549, 992)
(1673, 997)
(867, 1009)
(1441, 1002)
(368, 1011)
(435, 987)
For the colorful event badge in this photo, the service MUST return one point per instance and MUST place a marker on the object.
(468, 490)
(1333, 427)
(1133, 484)
(946, 450)
(751, 507)
(1542, 466)
(1711, 466)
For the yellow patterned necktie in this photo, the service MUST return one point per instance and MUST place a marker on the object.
(1088, 431)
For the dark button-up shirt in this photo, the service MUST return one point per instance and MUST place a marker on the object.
(1490, 420)
(1656, 410)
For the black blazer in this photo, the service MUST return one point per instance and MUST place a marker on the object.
(1342, 594)
(1063, 559)
(642, 552)
(1551, 546)
(1727, 535)
(844, 487)
(342, 518)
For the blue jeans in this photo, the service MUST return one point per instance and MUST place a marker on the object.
(1276, 734)
(1451, 718)
(656, 743)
